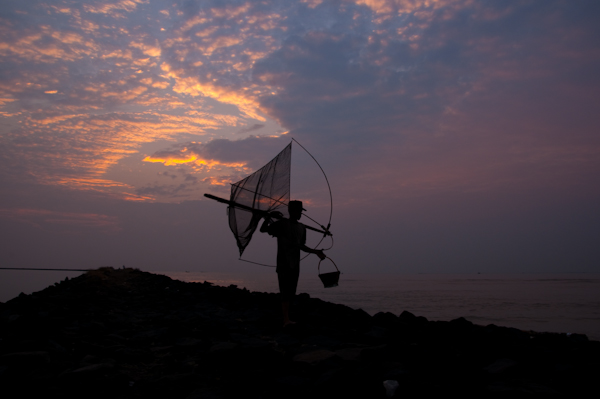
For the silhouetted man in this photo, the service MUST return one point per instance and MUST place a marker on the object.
(291, 238)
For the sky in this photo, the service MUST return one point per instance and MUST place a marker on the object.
(458, 136)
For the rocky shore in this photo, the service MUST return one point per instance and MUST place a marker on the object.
(123, 333)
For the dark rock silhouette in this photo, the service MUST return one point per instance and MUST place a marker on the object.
(125, 334)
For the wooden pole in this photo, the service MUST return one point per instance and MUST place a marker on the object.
(250, 209)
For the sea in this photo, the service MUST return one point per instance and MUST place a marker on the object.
(560, 303)
(543, 302)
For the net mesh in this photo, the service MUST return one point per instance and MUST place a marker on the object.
(267, 189)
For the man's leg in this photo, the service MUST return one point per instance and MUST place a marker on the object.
(288, 281)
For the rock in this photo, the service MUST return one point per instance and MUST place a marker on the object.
(577, 337)
(461, 323)
(375, 353)
(411, 320)
(222, 347)
(250, 342)
(92, 368)
(385, 319)
(314, 357)
(500, 366)
(122, 333)
(187, 341)
(349, 354)
(390, 387)
(378, 333)
(25, 358)
(321, 341)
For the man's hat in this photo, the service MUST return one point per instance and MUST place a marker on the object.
(295, 206)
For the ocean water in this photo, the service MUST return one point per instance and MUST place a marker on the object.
(563, 303)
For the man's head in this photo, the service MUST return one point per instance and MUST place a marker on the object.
(295, 209)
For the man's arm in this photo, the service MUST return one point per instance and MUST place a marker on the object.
(318, 252)
(268, 225)
(265, 226)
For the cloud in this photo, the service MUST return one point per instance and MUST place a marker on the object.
(90, 85)
(166, 190)
(114, 9)
(90, 144)
(429, 115)
(222, 159)
(169, 158)
(256, 126)
(253, 151)
(406, 103)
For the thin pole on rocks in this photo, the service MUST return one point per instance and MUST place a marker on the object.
(53, 270)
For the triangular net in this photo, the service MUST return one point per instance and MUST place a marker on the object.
(267, 189)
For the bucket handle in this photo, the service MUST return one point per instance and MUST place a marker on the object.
(319, 265)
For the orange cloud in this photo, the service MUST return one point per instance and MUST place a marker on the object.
(221, 42)
(152, 51)
(67, 37)
(196, 20)
(89, 183)
(192, 86)
(4, 101)
(172, 159)
(135, 197)
(126, 95)
(217, 181)
(379, 6)
(211, 163)
(71, 138)
(404, 6)
(207, 32)
(160, 85)
(126, 54)
(183, 157)
(230, 12)
(110, 8)
(49, 45)
(82, 147)
(312, 3)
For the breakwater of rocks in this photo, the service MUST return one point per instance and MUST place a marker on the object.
(123, 333)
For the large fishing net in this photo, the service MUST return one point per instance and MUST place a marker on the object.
(267, 189)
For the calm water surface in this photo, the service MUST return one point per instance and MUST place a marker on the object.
(566, 303)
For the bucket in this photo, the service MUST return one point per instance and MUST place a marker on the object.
(329, 279)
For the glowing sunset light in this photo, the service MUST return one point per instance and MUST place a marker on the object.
(137, 198)
(89, 183)
(216, 181)
(171, 161)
